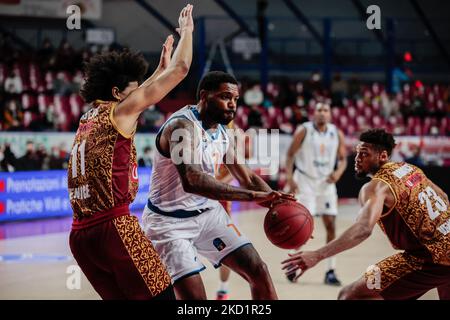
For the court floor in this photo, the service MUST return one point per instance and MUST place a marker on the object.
(37, 265)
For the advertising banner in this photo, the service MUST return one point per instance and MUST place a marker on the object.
(43, 194)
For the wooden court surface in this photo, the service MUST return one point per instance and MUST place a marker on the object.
(47, 280)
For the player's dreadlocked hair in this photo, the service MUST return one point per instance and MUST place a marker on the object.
(379, 138)
(112, 69)
(212, 80)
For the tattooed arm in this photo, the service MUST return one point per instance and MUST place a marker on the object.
(179, 140)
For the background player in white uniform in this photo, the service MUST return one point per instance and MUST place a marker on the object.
(183, 217)
(314, 150)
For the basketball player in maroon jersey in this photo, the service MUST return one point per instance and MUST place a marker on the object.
(106, 241)
(411, 210)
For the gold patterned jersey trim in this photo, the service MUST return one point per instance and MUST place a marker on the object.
(100, 101)
(111, 118)
(144, 256)
(395, 197)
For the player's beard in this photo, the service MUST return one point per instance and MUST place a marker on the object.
(218, 115)
(363, 174)
(360, 175)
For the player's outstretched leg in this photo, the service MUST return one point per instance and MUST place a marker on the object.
(246, 262)
(190, 288)
(359, 290)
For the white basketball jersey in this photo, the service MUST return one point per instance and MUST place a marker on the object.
(166, 190)
(318, 152)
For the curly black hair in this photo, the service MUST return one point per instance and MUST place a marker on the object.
(212, 81)
(380, 139)
(112, 69)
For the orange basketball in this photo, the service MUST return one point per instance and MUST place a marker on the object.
(288, 225)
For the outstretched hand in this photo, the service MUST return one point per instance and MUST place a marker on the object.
(300, 261)
(270, 199)
(166, 53)
(185, 21)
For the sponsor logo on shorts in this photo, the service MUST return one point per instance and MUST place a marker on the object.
(373, 277)
(219, 244)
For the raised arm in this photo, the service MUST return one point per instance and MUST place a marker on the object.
(127, 111)
(296, 143)
(164, 61)
(372, 197)
(179, 135)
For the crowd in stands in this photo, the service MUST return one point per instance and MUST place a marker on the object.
(35, 158)
(416, 110)
(39, 92)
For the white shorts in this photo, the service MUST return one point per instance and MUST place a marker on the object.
(317, 195)
(178, 241)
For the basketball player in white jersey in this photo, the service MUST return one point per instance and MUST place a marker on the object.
(315, 161)
(183, 217)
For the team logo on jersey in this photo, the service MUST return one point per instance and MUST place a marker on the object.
(219, 244)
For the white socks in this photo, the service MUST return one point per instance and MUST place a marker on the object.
(223, 286)
(331, 263)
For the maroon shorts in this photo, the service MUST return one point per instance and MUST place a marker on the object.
(119, 261)
(404, 276)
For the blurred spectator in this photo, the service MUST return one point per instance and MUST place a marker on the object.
(12, 116)
(65, 56)
(397, 155)
(418, 105)
(50, 118)
(62, 85)
(45, 54)
(287, 94)
(255, 117)
(7, 158)
(354, 87)
(339, 89)
(415, 158)
(286, 126)
(13, 83)
(299, 116)
(389, 107)
(56, 162)
(313, 85)
(77, 81)
(30, 160)
(42, 157)
(398, 77)
(147, 158)
(254, 96)
(63, 154)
